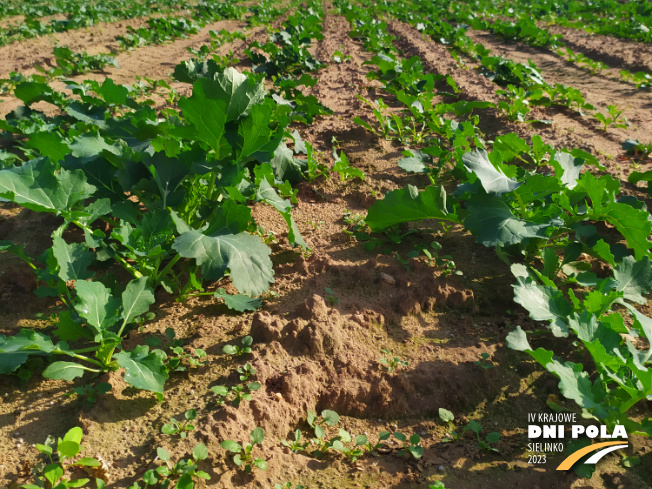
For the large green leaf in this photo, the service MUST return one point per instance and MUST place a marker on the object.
(633, 224)
(40, 186)
(238, 302)
(215, 102)
(634, 278)
(50, 144)
(144, 370)
(136, 299)
(63, 371)
(15, 349)
(493, 181)
(542, 302)
(72, 258)
(407, 205)
(492, 222)
(96, 305)
(567, 168)
(244, 255)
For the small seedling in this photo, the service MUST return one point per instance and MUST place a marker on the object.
(447, 417)
(288, 485)
(243, 349)
(183, 471)
(485, 361)
(612, 118)
(246, 371)
(52, 474)
(243, 455)
(90, 392)
(342, 442)
(178, 356)
(392, 363)
(486, 443)
(180, 428)
(339, 57)
(295, 445)
(328, 418)
(410, 445)
(330, 296)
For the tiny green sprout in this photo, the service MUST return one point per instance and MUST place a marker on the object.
(330, 296)
(288, 485)
(182, 471)
(180, 428)
(437, 485)
(243, 456)
(58, 454)
(295, 445)
(316, 225)
(339, 57)
(485, 444)
(392, 363)
(447, 417)
(243, 349)
(485, 361)
(410, 445)
(382, 436)
(90, 392)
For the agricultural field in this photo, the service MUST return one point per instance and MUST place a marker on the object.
(339, 244)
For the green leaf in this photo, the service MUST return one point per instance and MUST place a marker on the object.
(96, 305)
(144, 370)
(238, 302)
(267, 194)
(68, 448)
(53, 472)
(90, 145)
(407, 205)
(162, 454)
(415, 163)
(260, 463)
(542, 302)
(246, 257)
(200, 452)
(493, 437)
(567, 168)
(634, 278)
(445, 415)
(15, 349)
(49, 144)
(73, 259)
(40, 186)
(494, 181)
(257, 436)
(516, 340)
(185, 482)
(63, 371)
(331, 418)
(215, 102)
(136, 299)
(231, 446)
(633, 224)
(492, 222)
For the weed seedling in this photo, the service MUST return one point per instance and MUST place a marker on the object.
(243, 455)
(328, 418)
(243, 349)
(410, 445)
(485, 361)
(288, 485)
(246, 371)
(180, 428)
(392, 363)
(183, 471)
(342, 443)
(90, 393)
(486, 443)
(52, 474)
(330, 296)
(612, 118)
(295, 445)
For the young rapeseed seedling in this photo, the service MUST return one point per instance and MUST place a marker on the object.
(243, 456)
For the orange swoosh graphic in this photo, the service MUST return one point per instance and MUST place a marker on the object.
(575, 456)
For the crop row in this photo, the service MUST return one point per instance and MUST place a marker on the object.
(543, 216)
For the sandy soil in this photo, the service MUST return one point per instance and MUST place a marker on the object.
(312, 352)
